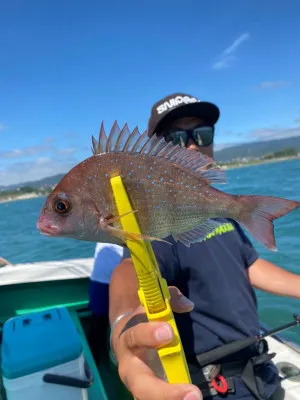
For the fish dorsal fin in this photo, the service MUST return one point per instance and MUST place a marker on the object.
(100, 146)
(119, 140)
(122, 140)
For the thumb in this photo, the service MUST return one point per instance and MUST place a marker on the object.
(179, 303)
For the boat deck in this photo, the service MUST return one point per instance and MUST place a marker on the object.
(287, 356)
(26, 288)
(33, 287)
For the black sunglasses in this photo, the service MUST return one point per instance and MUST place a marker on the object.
(203, 136)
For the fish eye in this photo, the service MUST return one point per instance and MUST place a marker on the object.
(62, 206)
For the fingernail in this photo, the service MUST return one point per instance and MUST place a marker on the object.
(185, 302)
(193, 396)
(164, 333)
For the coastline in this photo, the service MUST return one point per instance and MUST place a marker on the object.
(258, 162)
(26, 196)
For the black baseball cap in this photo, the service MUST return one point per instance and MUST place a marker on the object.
(179, 105)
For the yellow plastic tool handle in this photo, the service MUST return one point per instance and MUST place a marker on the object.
(153, 290)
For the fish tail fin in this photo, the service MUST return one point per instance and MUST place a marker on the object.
(259, 212)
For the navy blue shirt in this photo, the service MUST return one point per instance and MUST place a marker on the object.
(213, 274)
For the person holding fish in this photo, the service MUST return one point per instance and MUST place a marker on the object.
(210, 265)
(215, 274)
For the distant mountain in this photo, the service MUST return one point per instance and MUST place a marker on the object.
(51, 180)
(248, 150)
(256, 149)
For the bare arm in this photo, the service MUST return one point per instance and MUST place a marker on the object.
(123, 298)
(273, 279)
(123, 289)
(133, 346)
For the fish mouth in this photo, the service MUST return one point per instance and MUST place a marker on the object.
(48, 230)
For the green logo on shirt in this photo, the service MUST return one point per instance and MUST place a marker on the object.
(224, 228)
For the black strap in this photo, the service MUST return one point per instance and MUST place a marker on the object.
(243, 368)
(248, 376)
(249, 381)
(228, 370)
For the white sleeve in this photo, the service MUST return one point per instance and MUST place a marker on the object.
(107, 257)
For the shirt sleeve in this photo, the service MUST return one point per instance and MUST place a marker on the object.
(166, 256)
(249, 253)
(107, 257)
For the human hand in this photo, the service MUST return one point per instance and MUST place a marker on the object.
(4, 262)
(134, 349)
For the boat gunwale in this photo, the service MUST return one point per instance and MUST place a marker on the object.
(81, 268)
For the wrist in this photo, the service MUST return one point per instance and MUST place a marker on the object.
(116, 328)
(123, 323)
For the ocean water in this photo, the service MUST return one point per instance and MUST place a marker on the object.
(20, 241)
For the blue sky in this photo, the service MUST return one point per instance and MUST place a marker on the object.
(67, 65)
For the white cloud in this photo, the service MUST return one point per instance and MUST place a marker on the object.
(225, 62)
(2, 126)
(31, 163)
(274, 133)
(221, 146)
(49, 140)
(228, 55)
(35, 151)
(236, 43)
(40, 168)
(272, 84)
(260, 135)
(68, 151)
(24, 152)
(43, 160)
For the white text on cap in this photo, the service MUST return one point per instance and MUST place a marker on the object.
(175, 101)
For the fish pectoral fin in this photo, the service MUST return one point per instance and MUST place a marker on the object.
(197, 234)
(117, 218)
(125, 235)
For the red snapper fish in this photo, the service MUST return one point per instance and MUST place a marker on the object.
(169, 188)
